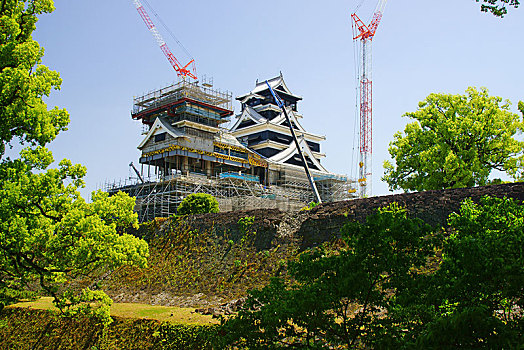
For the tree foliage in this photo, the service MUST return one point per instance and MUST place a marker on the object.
(479, 288)
(24, 80)
(49, 234)
(395, 284)
(198, 203)
(343, 297)
(455, 141)
(498, 7)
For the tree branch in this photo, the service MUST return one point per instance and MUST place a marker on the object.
(55, 218)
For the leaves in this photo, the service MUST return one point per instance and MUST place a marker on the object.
(395, 284)
(478, 289)
(339, 296)
(484, 253)
(498, 7)
(48, 233)
(198, 203)
(455, 141)
(24, 81)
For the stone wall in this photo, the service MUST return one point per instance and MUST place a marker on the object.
(323, 223)
(266, 223)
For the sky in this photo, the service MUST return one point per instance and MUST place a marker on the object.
(106, 55)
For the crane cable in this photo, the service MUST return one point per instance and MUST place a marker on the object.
(356, 132)
(358, 6)
(152, 10)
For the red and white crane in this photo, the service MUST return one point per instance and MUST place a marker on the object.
(365, 35)
(181, 71)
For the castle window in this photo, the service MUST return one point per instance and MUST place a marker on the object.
(160, 137)
(234, 153)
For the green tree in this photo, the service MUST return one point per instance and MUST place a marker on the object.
(479, 288)
(24, 80)
(48, 233)
(394, 284)
(455, 141)
(348, 296)
(498, 7)
(198, 203)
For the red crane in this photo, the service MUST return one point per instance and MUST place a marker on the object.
(365, 34)
(181, 71)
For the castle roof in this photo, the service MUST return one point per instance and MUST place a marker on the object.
(292, 151)
(276, 83)
(276, 124)
(161, 124)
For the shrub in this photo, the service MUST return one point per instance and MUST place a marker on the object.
(198, 203)
(310, 206)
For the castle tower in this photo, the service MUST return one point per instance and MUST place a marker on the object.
(255, 164)
(184, 135)
(262, 127)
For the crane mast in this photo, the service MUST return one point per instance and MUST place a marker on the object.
(182, 71)
(365, 35)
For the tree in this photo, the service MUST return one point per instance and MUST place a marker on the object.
(455, 141)
(49, 235)
(24, 80)
(347, 296)
(396, 284)
(198, 203)
(498, 7)
(479, 287)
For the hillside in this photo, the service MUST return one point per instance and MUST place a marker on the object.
(210, 259)
(206, 261)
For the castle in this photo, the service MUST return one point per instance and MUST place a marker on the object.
(253, 164)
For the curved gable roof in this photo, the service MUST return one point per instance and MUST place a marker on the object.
(163, 124)
(282, 118)
(276, 83)
(283, 156)
(248, 113)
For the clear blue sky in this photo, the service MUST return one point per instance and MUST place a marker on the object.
(106, 56)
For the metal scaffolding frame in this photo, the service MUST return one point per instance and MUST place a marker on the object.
(160, 196)
(286, 188)
(178, 91)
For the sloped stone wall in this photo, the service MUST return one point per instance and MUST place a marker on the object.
(323, 223)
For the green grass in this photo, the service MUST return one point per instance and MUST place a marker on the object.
(132, 310)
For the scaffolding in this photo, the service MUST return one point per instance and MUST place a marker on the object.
(159, 196)
(173, 93)
(197, 111)
(331, 187)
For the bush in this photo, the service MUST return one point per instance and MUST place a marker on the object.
(339, 296)
(394, 283)
(310, 206)
(22, 328)
(198, 203)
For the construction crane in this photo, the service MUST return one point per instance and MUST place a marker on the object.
(280, 104)
(136, 171)
(365, 35)
(181, 71)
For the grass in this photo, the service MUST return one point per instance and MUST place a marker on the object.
(132, 310)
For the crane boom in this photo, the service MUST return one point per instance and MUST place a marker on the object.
(377, 16)
(280, 103)
(136, 172)
(365, 34)
(182, 71)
